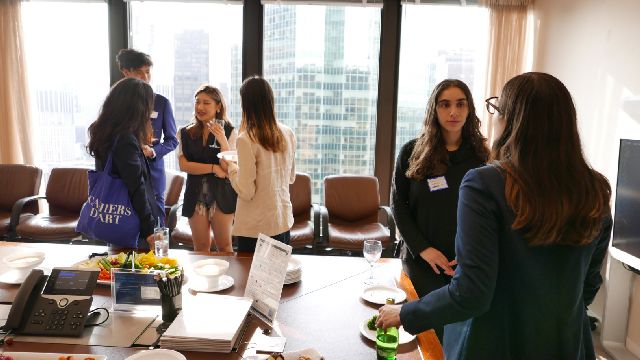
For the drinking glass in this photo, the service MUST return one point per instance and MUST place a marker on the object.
(211, 123)
(372, 250)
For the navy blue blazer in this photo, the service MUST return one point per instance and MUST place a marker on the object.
(508, 300)
(164, 133)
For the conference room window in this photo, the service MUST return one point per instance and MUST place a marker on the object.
(66, 52)
(322, 63)
(190, 44)
(438, 42)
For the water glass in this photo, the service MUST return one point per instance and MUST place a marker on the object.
(161, 242)
(372, 251)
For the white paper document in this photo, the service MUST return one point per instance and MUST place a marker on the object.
(266, 277)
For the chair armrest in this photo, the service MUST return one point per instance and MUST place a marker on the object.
(172, 220)
(315, 215)
(391, 224)
(324, 222)
(17, 208)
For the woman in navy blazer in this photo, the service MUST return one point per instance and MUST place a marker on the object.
(123, 128)
(533, 230)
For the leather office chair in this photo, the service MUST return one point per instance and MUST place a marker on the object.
(17, 182)
(67, 190)
(304, 233)
(350, 215)
(172, 193)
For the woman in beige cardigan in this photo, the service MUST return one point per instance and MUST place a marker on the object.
(265, 168)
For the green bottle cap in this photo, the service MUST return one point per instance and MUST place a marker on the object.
(391, 301)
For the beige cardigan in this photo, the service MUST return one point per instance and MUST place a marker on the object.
(261, 178)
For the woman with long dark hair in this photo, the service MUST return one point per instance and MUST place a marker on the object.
(533, 230)
(209, 199)
(265, 168)
(425, 187)
(122, 130)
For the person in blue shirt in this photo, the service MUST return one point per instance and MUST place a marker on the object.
(533, 231)
(136, 64)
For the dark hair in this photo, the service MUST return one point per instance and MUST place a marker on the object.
(556, 196)
(126, 110)
(132, 59)
(430, 156)
(258, 114)
(197, 128)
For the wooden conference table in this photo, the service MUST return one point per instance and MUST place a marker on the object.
(323, 311)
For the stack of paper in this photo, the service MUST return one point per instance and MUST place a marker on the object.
(294, 271)
(208, 322)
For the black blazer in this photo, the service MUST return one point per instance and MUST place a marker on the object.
(509, 300)
(130, 164)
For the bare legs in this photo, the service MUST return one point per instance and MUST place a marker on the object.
(221, 224)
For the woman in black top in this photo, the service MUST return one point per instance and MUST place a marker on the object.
(428, 173)
(209, 199)
(123, 128)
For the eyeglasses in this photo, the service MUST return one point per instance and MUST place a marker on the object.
(492, 108)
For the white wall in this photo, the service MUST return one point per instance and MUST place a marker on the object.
(593, 46)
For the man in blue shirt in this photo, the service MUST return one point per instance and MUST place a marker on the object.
(133, 63)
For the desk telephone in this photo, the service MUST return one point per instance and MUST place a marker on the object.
(60, 309)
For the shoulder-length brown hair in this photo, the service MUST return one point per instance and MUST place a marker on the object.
(196, 129)
(126, 109)
(556, 196)
(259, 116)
(430, 156)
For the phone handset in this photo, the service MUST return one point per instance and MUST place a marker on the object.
(27, 293)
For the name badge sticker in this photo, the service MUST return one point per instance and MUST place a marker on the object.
(154, 114)
(438, 183)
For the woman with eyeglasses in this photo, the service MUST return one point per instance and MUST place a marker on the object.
(428, 173)
(533, 230)
(209, 199)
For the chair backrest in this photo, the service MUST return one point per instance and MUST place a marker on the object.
(173, 190)
(351, 198)
(300, 195)
(67, 191)
(18, 181)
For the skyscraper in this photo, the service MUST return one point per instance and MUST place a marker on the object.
(191, 70)
(331, 105)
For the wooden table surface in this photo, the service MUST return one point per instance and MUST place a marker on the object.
(323, 311)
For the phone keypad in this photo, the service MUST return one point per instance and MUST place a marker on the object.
(48, 318)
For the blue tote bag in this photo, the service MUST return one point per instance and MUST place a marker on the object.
(107, 215)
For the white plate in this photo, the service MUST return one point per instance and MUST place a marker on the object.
(224, 283)
(16, 277)
(293, 265)
(24, 259)
(405, 337)
(158, 354)
(230, 155)
(50, 356)
(378, 294)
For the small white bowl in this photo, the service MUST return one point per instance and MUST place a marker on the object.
(211, 270)
(25, 260)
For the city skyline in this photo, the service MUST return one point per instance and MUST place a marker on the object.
(325, 84)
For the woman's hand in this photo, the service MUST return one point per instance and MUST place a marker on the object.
(389, 315)
(151, 240)
(436, 259)
(224, 165)
(218, 171)
(218, 131)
